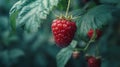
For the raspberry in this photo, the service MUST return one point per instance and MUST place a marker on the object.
(76, 54)
(94, 62)
(63, 31)
(98, 32)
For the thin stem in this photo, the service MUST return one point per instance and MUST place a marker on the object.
(68, 6)
(91, 40)
(88, 45)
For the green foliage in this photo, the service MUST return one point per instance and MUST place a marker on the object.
(77, 13)
(62, 5)
(95, 18)
(31, 13)
(65, 54)
(38, 49)
(13, 20)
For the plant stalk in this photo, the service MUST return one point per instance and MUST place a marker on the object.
(68, 6)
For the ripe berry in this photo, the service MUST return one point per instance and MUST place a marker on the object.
(94, 62)
(76, 54)
(63, 31)
(98, 33)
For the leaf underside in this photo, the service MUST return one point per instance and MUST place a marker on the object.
(64, 55)
(31, 13)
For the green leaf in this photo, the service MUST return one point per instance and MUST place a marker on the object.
(110, 1)
(13, 20)
(89, 5)
(77, 12)
(32, 13)
(95, 18)
(65, 54)
(62, 5)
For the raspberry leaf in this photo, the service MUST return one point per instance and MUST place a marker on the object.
(13, 20)
(77, 12)
(62, 5)
(31, 13)
(64, 55)
(95, 18)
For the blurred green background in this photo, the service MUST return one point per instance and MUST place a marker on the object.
(39, 50)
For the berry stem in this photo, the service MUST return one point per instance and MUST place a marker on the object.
(68, 6)
(91, 40)
(88, 44)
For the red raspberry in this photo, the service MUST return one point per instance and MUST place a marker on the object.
(94, 62)
(63, 31)
(98, 32)
(76, 54)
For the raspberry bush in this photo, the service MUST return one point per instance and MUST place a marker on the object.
(59, 33)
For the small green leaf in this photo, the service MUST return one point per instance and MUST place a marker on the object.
(62, 5)
(65, 54)
(95, 18)
(13, 20)
(32, 13)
